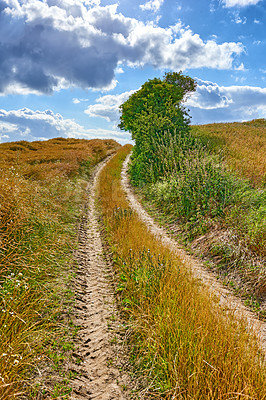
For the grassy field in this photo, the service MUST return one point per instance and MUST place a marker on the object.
(182, 344)
(243, 146)
(42, 192)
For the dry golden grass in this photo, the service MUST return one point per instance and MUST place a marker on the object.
(243, 145)
(182, 342)
(42, 189)
(47, 159)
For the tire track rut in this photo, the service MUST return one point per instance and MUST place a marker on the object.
(99, 377)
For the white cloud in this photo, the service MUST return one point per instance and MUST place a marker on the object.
(153, 5)
(239, 20)
(108, 106)
(26, 124)
(54, 44)
(213, 6)
(240, 3)
(5, 129)
(3, 137)
(239, 79)
(257, 42)
(240, 67)
(77, 101)
(119, 70)
(208, 97)
(214, 103)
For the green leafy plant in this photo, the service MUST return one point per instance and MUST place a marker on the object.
(152, 110)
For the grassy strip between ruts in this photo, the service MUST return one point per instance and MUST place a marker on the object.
(181, 341)
(42, 192)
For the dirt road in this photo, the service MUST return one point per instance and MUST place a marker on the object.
(226, 299)
(99, 376)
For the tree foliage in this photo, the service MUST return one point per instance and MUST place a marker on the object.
(155, 108)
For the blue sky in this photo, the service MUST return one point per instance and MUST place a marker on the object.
(66, 65)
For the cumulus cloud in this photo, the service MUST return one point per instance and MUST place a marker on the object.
(26, 124)
(54, 44)
(214, 103)
(153, 5)
(240, 3)
(107, 107)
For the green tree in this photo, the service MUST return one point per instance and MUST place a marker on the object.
(155, 108)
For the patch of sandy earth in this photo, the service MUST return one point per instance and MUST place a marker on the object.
(99, 376)
(226, 299)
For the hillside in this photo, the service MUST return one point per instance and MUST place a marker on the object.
(243, 146)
